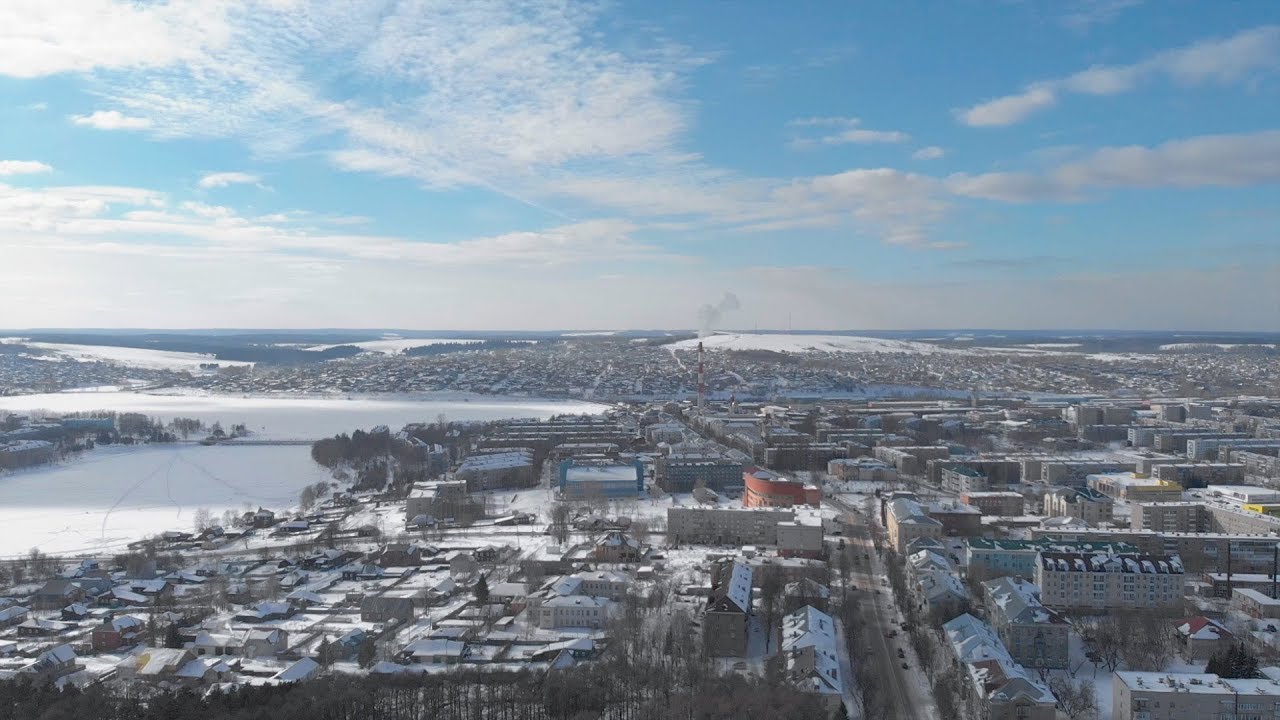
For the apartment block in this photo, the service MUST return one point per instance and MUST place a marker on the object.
(1085, 504)
(1090, 583)
(726, 526)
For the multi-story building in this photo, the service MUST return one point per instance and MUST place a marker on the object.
(1171, 517)
(799, 539)
(1075, 472)
(726, 526)
(1035, 635)
(1004, 502)
(1079, 581)
(682, 474)
(964, 479)
(606, 479)
(991, 558)
(1196, 474)
(911, 459)
(1129, 486)
(907, 520)
(767, 489)
(1259, 467)
(500, 470)
(1200, 552)
(958, 519)
(1085, 504)
(863, 469)
(728, 613)
(1211, 448)
(1191, 696)
(1008, 690)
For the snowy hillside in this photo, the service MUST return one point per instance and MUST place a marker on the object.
(132, 357)
(810, 343)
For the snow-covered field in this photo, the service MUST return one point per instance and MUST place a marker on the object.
(133, 357)
(808, 343)
(1219, 346)
(391, 346)
(111, 496)
(295, 417)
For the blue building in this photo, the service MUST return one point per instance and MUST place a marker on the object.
(611, 480)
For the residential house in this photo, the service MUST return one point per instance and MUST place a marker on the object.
(300, 671)
(1008, 690)
(941, 594)
(1199, 638)
(264, 642)
(812, 652)
(118, 632)
(727, 615)
(436, 652)
(57, 594)
(11, 616)
(805, 592)
(616, 546)
(265, 612)
(1034, 635)
(385, 608)
(53, 664)
(573, 611)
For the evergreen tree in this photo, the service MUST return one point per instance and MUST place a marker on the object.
(1234, 662)
(171, 637)
(482, 591)
(368, 653)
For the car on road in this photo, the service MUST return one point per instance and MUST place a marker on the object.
(901, 654)
(905, 666)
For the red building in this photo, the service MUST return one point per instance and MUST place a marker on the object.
(766, 489)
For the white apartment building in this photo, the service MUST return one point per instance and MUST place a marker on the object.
(1095, 582)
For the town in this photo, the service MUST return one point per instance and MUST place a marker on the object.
(989, 556)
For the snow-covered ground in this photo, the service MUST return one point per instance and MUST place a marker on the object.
(306, 417)
(596, 333)
(392, 346)
(1220, 346)
(133, 357)
(111, 496)
(808, 343)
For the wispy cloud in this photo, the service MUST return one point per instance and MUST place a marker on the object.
(1202, 161)
(1082, 15)
(1219, 61)
(36, 106)
(223, 179)
(932, 152)
(111, 120)
(23, 167)
(843, 131)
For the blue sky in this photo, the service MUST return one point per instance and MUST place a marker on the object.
(501, 164)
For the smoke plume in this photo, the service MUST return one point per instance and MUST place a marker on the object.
(709, 315)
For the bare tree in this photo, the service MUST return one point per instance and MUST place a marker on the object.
(202, 520)
(560, 522)
(1077, 699)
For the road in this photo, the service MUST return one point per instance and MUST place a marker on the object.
(908, 691)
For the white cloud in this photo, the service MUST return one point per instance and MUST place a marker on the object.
(932, 152)
(1221, 61)
(1009, 109)
(44, 38)
(1084, 14)
(223, 179)
(111, 120)
(23, 167)
(36, 106)
(1202, 161)
(848, 131)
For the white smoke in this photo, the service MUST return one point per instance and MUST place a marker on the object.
(709, 315)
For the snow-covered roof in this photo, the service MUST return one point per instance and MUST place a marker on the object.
(304, 669)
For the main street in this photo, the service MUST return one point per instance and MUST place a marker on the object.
(908, 691)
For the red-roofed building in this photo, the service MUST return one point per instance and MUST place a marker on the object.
(767, 489)
(1201, 637)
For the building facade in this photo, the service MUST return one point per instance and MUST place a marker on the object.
(1090, 583)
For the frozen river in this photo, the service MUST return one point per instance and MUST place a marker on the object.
(111, 496)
